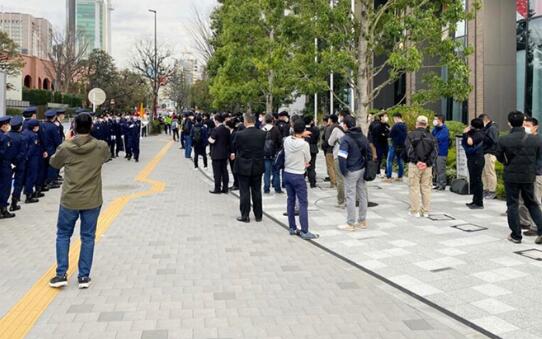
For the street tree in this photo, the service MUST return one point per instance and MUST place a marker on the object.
(10, 58)
(200, 96)
(67, 61)
(157, 73)
(128, 90)
(178, 88)
(100, 70)
(390, 38)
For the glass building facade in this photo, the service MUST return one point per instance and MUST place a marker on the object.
(92, 22)
(529, 57)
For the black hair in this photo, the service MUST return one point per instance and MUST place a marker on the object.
(334, 118)
(199, 118)
(83, 123)
(268, 118)
(532, 120)
(299, 126)
(308, 120)
(219, 118)
(441, 117)
(344, 112)
(349, 122)
(516, 118)
(398, 115)
(325, 118)
(477, 123)
(484, 116)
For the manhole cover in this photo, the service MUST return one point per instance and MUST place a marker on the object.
(470, 228)
(440, 217)
(531, 254)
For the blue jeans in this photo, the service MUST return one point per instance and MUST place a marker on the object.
(269, 170)
(65, 226)
(296, 187)
(187, 146)
(392, 154)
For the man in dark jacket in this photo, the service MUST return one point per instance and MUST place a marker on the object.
(398, 136)
(489, 176)
(353, 154)
(313, 144)
(20, 150)
(273, 144)
(200, 141)
(249, 167)
(473, 142)
(421, 150)
(379, 131)
(520, 152)
(442, 134)
(220, 151)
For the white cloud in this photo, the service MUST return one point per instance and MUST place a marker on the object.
(131, 21)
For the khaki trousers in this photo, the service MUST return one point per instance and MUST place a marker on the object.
(340, 183)
(419, 183)
(524, 215)
(489, 176)
(330, 164)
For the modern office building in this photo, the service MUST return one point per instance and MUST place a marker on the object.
(90, 22)
(32, 35)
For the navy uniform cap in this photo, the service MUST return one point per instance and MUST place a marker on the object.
(5, 120)
(16, 121)
(60, 111)
(50, 113)
(29, 111)
(33, 123)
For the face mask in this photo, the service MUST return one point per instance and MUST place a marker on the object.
(435, 123)
(384, 120)
(528, 130)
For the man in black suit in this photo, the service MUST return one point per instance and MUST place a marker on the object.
(220, 151)
(249, 166)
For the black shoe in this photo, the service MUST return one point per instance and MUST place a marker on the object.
(469, 204)
(54, 185)
(136, 160)
(313, 186)
(243, 219)
(30, 199)
(515, 241)
(475, 207)
(279, 192)
(234, 188)
(225, 191)
(84, 283)
(259, 219)
(58, 282)
(215, 192)
(44, 189)
(286, 213)
(4, 213)
(14, 206)
(38, 195)
(327, 179)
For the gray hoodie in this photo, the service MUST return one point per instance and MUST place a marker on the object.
(296, 154)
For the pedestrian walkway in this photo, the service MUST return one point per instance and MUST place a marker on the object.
(176, 264)
(458, 260)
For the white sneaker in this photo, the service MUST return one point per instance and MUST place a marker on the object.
(425, 214)
(414, 214)
(347, 227)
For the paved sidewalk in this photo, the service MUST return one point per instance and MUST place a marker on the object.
(460, 260)
(178, 265)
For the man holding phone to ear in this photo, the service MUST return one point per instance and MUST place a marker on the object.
(82, 157)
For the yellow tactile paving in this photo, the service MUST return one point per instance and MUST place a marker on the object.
(22, 316)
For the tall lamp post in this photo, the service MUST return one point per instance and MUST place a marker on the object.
(155, 90)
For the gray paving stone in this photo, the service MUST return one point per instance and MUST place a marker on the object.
(224, 296)
(155, 334)
(111, 316)
(418, 325)
(82, 308)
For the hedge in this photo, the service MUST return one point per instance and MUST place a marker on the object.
(40, 97)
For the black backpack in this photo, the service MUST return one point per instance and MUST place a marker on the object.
(269, 146)
(197, 135)
(423, 146)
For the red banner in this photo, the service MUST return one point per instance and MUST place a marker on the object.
(522, 7)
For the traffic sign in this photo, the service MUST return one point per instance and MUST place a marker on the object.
(97, 97)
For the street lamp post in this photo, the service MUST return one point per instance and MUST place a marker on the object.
(155, 90)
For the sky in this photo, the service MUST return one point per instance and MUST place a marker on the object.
(131, 22)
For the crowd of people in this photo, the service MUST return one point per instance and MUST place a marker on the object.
(282, 150)
(27, 146)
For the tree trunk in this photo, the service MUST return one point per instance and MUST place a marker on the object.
(270, 80)
(365, 69)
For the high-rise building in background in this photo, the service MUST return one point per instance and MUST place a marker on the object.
(191, 68)
(33, 35)
(90, 22)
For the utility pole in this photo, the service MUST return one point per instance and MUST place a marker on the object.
(156, 86)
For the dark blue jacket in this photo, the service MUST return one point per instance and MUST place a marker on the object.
(52, 137)
(442, 134)
(353, 151)
(33, 146)
(19, 148)
(398, 134)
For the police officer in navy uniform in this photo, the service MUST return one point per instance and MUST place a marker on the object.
(127, 137)
(52, 141)
(33, 158)
(29, 114)
(6, 174)
(135, 132)
(19, 144)
(117, 132)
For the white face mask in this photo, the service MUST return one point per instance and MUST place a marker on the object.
(528, 130)
(435, 123)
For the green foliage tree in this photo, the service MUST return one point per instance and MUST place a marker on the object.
(201, 98)
(10, 59)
